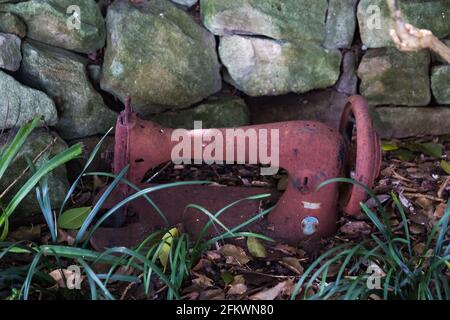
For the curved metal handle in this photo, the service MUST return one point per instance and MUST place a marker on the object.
(368, 150)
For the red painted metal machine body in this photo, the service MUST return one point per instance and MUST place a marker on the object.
(311, 152)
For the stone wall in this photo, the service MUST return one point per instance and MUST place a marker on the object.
(226, 62)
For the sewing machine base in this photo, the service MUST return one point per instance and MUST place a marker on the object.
(143, 219)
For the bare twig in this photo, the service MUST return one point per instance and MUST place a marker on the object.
(399, 177)
(125, 292)
(426, 196)
(443, 186)
(409, 38)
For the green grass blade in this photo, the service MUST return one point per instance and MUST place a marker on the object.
(12, 149)
(444, 227)
(99, 204)
(43, 198)
(354, 183)
(86, 166)
(386, 284)
(15, 247)
(213, 218)
(73, 253)
(404, 220)
(27, 284)
(93, 288)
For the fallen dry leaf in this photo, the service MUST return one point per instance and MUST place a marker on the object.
(356, 228)
(372, 203)
(234, 254)
(416, 229)
(419, 248)
(166, 247)
(202, 281)
(256, 248)
(57, 275)
(443, 187)
(425, 203)
(440, 209)
(212, 255)
(237, 289)
(292, 264)
(191, 296)
(238, 279)
(283, 288)
(201, 264)
(66, 236)
(284, 248)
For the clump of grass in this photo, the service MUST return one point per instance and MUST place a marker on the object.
(402, 273)
(181, 254)
(7, 155)
(146, 259)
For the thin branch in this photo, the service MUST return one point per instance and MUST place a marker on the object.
(409, 38)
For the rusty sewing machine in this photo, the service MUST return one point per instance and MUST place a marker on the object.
(310, 151)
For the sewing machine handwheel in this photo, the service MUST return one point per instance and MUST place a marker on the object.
(368, 150)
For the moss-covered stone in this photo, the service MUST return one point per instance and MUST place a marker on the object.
(266, 67)
(20, 104)
(35, 144)
(220, 112)
(292, 20)
(375, 20)
(10, 23)
(398, 122)
(47, 21)
(389, 76)
(341, 23)
(440, 83)
(10, 55)
(62, 75)
(158, 55)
